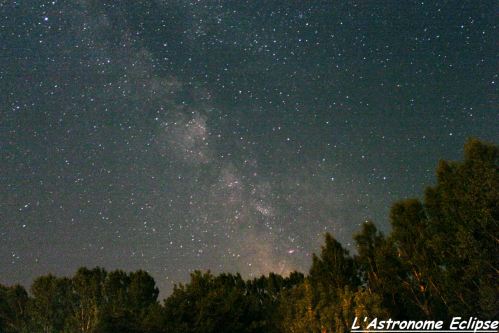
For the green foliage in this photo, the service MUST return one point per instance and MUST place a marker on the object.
(447, 247)
(298, 310)
(143, 291)
(380, 268)
(127, 300)
(463, 211)
(422, 292)
(87, 298)
(307, 308)
(13, 309)
(5, 309)
(324, 302)
(335, 267)
(115, 292)
(90, 301)
(49, 308)
(213, 304)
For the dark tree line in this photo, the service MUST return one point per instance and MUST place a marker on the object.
(441, 260)
(90, 301)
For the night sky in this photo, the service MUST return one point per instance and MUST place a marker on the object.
(171, 136)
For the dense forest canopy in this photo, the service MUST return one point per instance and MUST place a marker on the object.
(440, 260)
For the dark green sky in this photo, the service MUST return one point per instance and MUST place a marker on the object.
(226, 135)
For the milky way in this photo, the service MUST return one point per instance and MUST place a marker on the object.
(226, 135)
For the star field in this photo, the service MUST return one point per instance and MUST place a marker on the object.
(171, 136)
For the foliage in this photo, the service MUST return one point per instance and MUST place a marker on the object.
(13, 309)
(86, 299)
(463, 212)
(381, 270)
(224, 303)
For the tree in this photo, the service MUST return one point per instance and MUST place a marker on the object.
(269, 292)
(5, 310)
(49, 308)
(422, 287)
(223, 303)
(87, 298)
(127, 300)
(380, 268)
(115, 291)
(463, 212)
(447, 245)
(298, 309)
(335, 267)
(142, 291)
(322, 303)
(13, 308)
(305, 309)
(182, 307)
(360, 304)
